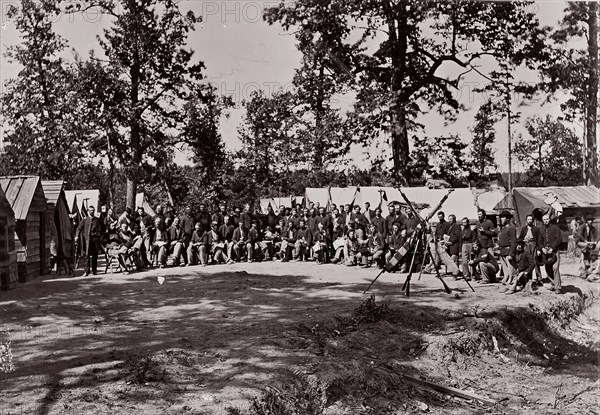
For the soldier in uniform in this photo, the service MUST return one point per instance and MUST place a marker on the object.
(89, 233)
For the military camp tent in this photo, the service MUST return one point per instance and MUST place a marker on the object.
(141, 201)
(265, 203)
(488, 199)
(71, 198)
(343, 195)
(8, 253)
(318, 196)
(32, 239)
(570, 201)
(377, 196)
(84, 199)
(62, 230)
(460, 202)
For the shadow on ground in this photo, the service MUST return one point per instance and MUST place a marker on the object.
(204, 341)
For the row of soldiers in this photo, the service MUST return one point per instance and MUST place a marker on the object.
(348, 235)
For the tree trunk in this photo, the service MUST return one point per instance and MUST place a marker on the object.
(400, 148)
(319, 150)
(592, 176)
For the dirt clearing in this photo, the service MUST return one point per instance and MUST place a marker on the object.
(248, 338)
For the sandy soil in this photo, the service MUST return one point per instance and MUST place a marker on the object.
(213, 338)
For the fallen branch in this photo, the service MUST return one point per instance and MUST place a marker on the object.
(452, 391)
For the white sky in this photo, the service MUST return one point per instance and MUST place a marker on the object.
(243, 53)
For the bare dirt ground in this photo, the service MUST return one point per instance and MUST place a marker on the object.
(248, 337)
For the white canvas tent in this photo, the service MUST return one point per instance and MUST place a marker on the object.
(378, 196)
(265, 203)
(343, 195)
(317, 195)
(141, 201)
(461, 202)
(84, 199)
(489, 199)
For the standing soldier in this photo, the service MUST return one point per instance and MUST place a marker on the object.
(485, 231)
(530, 234)
(551, 239)
(585, 238)
(90, 232)
(467, 238)
(507, 241)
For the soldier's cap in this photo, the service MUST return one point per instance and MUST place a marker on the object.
(506, 214)
(589, 217)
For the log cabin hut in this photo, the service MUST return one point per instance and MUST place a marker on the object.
(8, 253)
(32, 238)
(61, 228)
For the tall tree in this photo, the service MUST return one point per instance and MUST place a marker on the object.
(414, 41)
(146, 56)
(552, 153)
(319, 28)
(574, 69)
(483, 133)
(42, 115)
(267, 135)
(203, 111)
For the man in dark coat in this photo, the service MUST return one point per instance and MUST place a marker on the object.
(204, 218)
(525, 264)
(586, 238)
(485, 231)
(467, 238)
(452, 234)
(187, 223)
(507, 241)
(89, 233)
(530, 235)
(551, 238)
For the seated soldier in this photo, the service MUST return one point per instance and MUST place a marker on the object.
(302, 241)
(130, 248)
(144, 225)
(279, 231)
(252, 241)
(339, 243)
(484, 264)
(160, 241)
(288, 241)
(525, 266)
(238, 241)
(321, 242)
(267, 245)
(213, 242)
(177, 237)
(193, 250)
(375, 247)
(226, 231)
(351, 248)
(591, 272)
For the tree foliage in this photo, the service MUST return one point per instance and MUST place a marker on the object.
(552, 153)
(42, 112)
(573, 68)
(481, 151)
(147, 61)
(440, 158)
(319, 28)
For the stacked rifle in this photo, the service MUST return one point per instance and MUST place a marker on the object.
(418, 240)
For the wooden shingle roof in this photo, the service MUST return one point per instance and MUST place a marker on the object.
(24, 194)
